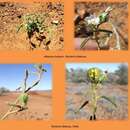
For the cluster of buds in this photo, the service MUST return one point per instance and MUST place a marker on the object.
(103, 17)
(95, 75)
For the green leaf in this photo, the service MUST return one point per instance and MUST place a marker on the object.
(19, 27)
(44, 70)
(102, 78)
(109, 100)
(36, 83)
(84, 104)
(26, 74)
(103, 17)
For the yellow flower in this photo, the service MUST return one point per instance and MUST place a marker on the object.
(94, 74)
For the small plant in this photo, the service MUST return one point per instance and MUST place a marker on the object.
(93, 23)
(21, 102)
(96, 78)
(35, 27)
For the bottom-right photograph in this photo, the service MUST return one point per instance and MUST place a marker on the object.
(96, 91)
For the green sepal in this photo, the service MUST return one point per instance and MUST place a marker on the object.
(24, 99)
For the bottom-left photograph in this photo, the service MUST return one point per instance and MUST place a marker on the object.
(25, 91)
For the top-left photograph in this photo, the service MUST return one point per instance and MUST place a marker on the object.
(31, 26)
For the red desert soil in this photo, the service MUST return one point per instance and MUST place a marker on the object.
(39, 106)
(10, 19)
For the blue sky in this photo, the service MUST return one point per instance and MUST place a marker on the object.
(111, 67)
(12, 75)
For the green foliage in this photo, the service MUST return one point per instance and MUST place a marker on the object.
(39, 29)
(34, 26)
(103, 17)
(3, 90)
(33, 23)
(76, 76)
(23, 99)
(67, 74)
(122, 72)
(79, 76)
(120, 76)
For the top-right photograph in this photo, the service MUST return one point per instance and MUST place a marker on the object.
(101, 26)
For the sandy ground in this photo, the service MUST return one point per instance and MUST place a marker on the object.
(39, 106)
(118, 17)
(105, 111)
(11, 17)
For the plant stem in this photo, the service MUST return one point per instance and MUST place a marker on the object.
(94, 100)
(12, 112)
(11, 109)
(84, 42)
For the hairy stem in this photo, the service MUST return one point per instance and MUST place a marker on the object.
(94, 100)
(84, 42)
(10, 109)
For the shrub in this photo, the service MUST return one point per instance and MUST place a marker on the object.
(122, 72)
(76, 76)
(3, 90)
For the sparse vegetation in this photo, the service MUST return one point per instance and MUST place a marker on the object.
(35, 27)
(120, 76)
(122, 72)
(20, 104)
(76, 76)
(80, 93)
(39, 26)
(96, 78)
(3, 90)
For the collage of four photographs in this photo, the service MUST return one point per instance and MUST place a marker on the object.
(94, 91)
